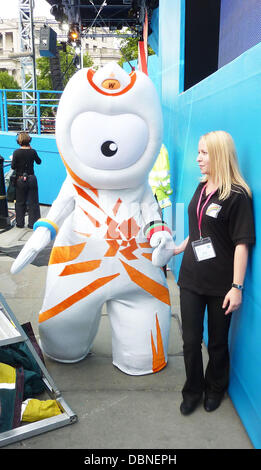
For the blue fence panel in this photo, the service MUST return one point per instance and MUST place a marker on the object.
(40, 103)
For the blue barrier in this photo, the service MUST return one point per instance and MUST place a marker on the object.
(230, 100)
(50, 174)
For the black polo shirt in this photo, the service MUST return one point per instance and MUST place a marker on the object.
(228, 223)
(23, 161)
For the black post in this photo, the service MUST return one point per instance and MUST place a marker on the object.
(4, 218)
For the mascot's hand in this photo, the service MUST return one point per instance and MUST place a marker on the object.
(38, 241)
(164, 246)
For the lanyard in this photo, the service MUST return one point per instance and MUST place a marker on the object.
(200, 214)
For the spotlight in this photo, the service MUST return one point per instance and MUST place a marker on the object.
(74, 34)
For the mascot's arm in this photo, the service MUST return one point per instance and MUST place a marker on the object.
(156, 231)
(46, 229)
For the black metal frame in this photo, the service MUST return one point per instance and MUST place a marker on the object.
(116, 14)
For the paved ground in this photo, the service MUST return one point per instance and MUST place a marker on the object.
(115, 411)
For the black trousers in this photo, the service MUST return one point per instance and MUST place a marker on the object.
(27, 198)
(216, 378)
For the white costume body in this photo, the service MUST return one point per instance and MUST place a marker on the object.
(100, 254)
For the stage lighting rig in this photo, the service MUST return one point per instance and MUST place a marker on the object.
(138, 11)
(74, 36)
(58, 12)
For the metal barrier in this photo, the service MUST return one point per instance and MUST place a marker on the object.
(28, 110)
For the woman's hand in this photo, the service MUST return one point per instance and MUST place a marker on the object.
(232, 300)
(179, 249)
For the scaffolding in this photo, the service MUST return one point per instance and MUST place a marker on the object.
(27, 58)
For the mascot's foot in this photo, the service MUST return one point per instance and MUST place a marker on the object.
(64, 361)
(133, 371)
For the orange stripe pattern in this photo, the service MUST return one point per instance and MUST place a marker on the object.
(90, 74)
(129, 228)
(128, 251)
(83, 234)
(112, 232)
(113, 248)
(93, 286)
(94, 221)
(86, 196)
(83, 267)
(158, 356)
(76, 178)
(116, 207)
(63, 254)
(148, 284)
(147, 255)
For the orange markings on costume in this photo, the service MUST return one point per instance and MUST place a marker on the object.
(145, 245)
(62, 254)
(127, 248)
(77, 179)
(128, 251)
(95, 222)
(83, 234)
(129, 228)
(75, 297)
(90, 74)
(83, 267)
(86, 196)
(116, 207)
(147, 255)
(112, 233)
(149, 285)
(158, 356)
(111, 84)
(113, 248)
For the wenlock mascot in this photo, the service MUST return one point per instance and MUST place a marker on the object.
(110, 241)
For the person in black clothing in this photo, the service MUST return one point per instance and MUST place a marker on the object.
(26, 182)
(221, 227)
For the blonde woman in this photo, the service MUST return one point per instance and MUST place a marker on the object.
(212, 272)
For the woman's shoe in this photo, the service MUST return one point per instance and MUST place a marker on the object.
(188, 406)
(19, 226)
(212, 403)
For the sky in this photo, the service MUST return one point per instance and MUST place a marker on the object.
(10, 9)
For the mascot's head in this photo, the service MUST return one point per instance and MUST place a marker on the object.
(109, 127)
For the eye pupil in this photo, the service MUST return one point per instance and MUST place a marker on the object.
(109, 148)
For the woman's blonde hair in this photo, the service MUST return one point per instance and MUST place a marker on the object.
(224, 168)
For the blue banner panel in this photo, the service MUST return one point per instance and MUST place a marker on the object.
(229, 100)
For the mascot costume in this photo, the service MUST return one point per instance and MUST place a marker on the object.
(110, 241)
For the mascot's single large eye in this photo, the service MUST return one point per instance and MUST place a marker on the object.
(109, 148)
(121, 137)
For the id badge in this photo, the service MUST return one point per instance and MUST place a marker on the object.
(203, 249)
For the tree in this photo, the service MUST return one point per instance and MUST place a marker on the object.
(44, 79)
(7, 82)
(129, 49)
